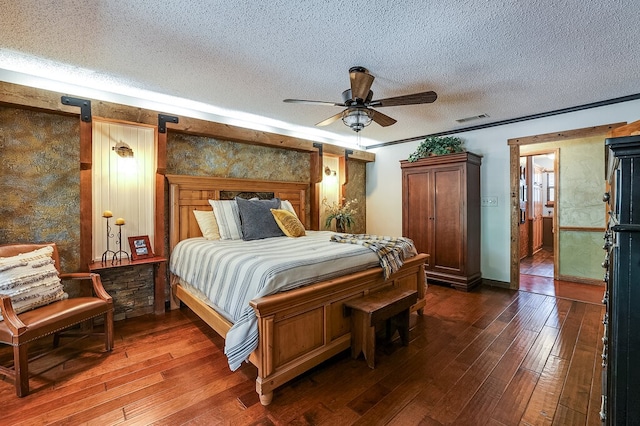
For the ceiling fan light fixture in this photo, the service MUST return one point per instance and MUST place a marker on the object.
(357, 118)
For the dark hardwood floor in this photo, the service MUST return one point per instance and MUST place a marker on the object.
(492, 356)
(540, 264)
(536, 275)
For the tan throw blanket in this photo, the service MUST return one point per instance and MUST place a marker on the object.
(390, 250)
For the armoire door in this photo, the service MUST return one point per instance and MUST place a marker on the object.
(417, 222)
(448, 219)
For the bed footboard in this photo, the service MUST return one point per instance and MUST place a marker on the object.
(300, 329)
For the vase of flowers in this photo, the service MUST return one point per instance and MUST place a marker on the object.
(342, 213)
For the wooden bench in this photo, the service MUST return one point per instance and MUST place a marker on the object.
(390, 305)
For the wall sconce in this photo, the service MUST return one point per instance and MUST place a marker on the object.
(123, 150)
(329, 172)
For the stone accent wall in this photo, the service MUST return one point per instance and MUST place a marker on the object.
(40, 184)
(40, 181)
(356, 189)
(131, 288)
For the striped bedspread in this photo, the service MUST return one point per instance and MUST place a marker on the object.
(233, 272)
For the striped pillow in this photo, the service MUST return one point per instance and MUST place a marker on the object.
(31, 279)
(286, 205)
(228, 218)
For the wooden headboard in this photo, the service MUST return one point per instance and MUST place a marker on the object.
(188, 193)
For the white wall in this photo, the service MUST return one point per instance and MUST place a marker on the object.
(384, 178)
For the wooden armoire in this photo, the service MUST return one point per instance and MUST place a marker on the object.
(441, 214)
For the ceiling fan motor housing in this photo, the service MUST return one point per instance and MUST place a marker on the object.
(347, 98)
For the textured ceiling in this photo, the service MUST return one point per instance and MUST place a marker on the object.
(507, 59)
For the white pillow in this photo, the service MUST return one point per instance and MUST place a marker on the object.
(208, 224)
(286, 205)
(228, 218)
(30, 279)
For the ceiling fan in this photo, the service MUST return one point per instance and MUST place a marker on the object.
(359, 110)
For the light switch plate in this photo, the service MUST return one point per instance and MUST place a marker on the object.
(489, 201)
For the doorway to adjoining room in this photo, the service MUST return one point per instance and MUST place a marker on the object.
(569, 199)
(537, 204)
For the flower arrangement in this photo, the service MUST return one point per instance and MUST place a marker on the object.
(342, 213)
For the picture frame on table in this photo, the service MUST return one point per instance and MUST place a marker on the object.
(140, 247)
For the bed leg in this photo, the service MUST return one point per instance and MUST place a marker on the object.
(266, 398)
(420, 311)
(174, 302)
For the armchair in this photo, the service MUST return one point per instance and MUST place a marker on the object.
(18, 329)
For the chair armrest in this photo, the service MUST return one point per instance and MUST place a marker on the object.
(76, 276)
(98, 289)
(11, 319)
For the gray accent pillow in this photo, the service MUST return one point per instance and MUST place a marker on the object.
(256, 219)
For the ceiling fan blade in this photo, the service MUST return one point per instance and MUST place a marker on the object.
(331, 119)
(381, 119)
(416, 98)
(303, 101)
(360, 84)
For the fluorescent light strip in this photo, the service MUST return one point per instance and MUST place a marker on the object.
(49, 75)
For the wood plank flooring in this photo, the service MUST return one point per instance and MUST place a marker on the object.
(489, 357)
(540, 264)
(536, 275)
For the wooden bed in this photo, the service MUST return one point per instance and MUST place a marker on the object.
(299, 328)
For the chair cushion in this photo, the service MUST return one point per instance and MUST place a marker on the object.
(54, 317)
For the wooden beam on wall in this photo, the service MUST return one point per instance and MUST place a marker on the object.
(630, 129)
(584, 132)
(344, 173)
(316, 162)
(514, 156)
(159, 231)
(86, 204)
(41, 99)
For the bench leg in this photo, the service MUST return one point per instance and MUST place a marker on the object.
(363, 337)
(21, 367)
(403, 326)
(370, 346)
(358, 331)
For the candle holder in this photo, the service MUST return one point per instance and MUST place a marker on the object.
(109, 235)
(119, 224)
